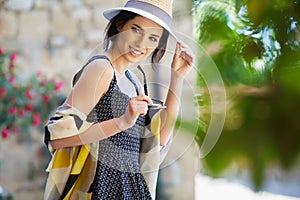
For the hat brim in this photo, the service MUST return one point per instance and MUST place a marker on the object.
(111, 13)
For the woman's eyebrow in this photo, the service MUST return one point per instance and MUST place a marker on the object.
(144, 30)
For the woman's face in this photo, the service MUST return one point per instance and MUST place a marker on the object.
(138, 38)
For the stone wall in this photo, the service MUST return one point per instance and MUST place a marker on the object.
(56, 37)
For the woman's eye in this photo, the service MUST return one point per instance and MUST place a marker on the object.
(136, 30)
(153, 39)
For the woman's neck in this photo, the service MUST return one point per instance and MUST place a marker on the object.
(119, 63)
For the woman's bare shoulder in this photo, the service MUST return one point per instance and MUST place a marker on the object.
(99, 68)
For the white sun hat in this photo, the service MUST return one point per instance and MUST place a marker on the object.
(159, 11)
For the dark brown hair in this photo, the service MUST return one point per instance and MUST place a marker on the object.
(119, 21)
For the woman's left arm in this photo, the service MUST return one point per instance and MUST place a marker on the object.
(182, 63)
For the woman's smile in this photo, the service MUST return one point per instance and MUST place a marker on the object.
(135, 52)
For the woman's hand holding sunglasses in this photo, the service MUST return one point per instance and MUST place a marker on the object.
(137, 106)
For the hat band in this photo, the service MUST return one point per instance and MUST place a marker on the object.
(154, 10)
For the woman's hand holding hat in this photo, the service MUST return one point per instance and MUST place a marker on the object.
(183, 60)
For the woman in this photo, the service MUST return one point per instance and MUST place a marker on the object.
(96, 135)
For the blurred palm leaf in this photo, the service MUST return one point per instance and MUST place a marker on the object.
(255, 45)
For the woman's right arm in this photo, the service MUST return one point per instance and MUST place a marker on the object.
(90, 87)
(96, 132)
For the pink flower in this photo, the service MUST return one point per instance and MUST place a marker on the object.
(39, 74)
(21, 112)
(36, 119)
(11, 78)
(28, 95)
(11, 66)
(59, 85)
(46, 98)
(13, 57)
(1, 51)
(2, 92)
(53, 80)
(29, 107)
(5, 133)
(12, 110)
(44, 81)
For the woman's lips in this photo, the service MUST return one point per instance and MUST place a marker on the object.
(134, 51)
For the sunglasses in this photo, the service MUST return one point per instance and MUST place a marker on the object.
(157, 104)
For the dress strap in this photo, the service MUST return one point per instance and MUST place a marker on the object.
(78, 74)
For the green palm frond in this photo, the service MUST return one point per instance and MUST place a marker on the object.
(210, 16)
(255, 45)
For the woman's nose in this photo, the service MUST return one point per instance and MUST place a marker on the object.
(141, 42)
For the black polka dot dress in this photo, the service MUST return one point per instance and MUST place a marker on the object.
(118, 175)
